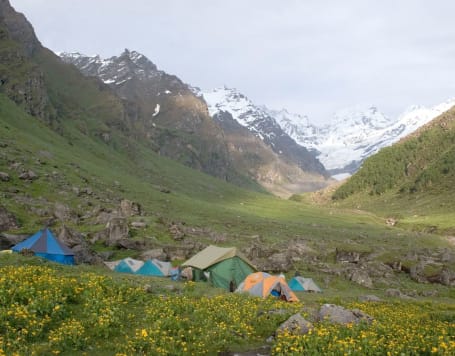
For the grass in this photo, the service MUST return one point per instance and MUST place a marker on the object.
(87, 310)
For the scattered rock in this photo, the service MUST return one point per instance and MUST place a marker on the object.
(369, 298)
(28, 175)
(8, 240)
(339, 315)
(176, 232)
(347, 256)
(76, 241)
(391, 292)
(4, 177)
(63, 212)
(157, 253)
(117, 229)
(296, 325)
(129, 244)
(7, 220)
(129, 208)
(138, 224)
(361, 277)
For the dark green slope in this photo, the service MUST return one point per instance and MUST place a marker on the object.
(413, 178)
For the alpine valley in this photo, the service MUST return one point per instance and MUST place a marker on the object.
(123, 160)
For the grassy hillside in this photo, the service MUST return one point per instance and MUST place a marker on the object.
(413, 180)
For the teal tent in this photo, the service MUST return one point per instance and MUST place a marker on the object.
(155, 268)
(301, 284)
(46, 245)
(152, 267)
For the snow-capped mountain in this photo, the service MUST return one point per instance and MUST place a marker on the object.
(356, 133)
(174, 118)
(259, 121)
(114, 70)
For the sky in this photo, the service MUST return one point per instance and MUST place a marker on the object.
(312, 57)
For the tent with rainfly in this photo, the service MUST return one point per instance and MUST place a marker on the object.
(151, 267)
(225, 266)
(301, 284)
(262, 284)
(46, 245)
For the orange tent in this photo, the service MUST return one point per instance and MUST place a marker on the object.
(262, 284)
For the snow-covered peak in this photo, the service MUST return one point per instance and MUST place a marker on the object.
(368, 117)
(238, 105)
(358, 132)
(115, 70)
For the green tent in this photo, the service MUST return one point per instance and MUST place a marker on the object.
(224, 267)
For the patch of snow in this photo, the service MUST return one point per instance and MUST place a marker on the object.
(157, 110)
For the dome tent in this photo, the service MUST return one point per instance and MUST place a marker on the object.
(45, 244)
(262, 284)
(301, 284)
(225, 266)
(151, 267)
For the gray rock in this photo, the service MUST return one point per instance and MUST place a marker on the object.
(339, 315)
(369, 298)
(138, 225)
(117, 229)
(4, 177)
(7, 220)
(129, 208)
(157, 253)
(8, 240)
(391, 292)
(361, 277)
(63, 212)
(296, 325)
(347, 256)
(28, 175)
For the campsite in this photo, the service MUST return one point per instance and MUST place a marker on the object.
(146, 212)
(140, 309)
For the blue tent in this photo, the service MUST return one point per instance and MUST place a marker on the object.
(46, 245)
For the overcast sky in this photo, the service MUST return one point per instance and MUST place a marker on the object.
(311, 57)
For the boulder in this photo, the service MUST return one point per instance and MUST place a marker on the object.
(76, 241)
(296, 325)
(157, 253)
(8, 240)
(177, 233)
(278, 262)
(369, 298)
(28, 175)
(63, 212)
(347, 256)
(138, 225)
(338, 315)
(7, 220)
(129, 208)
(103, 217)
(4, 177)
(130, 244)
(117, 229)
(391, 292)
(361, 277)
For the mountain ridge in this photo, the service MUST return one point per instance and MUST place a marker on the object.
(165, 101)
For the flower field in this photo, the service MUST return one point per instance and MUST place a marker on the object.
(44, 311)
(398, 329)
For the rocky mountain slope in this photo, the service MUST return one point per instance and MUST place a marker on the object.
(262, 124)
(355, 134)
(278, 163)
